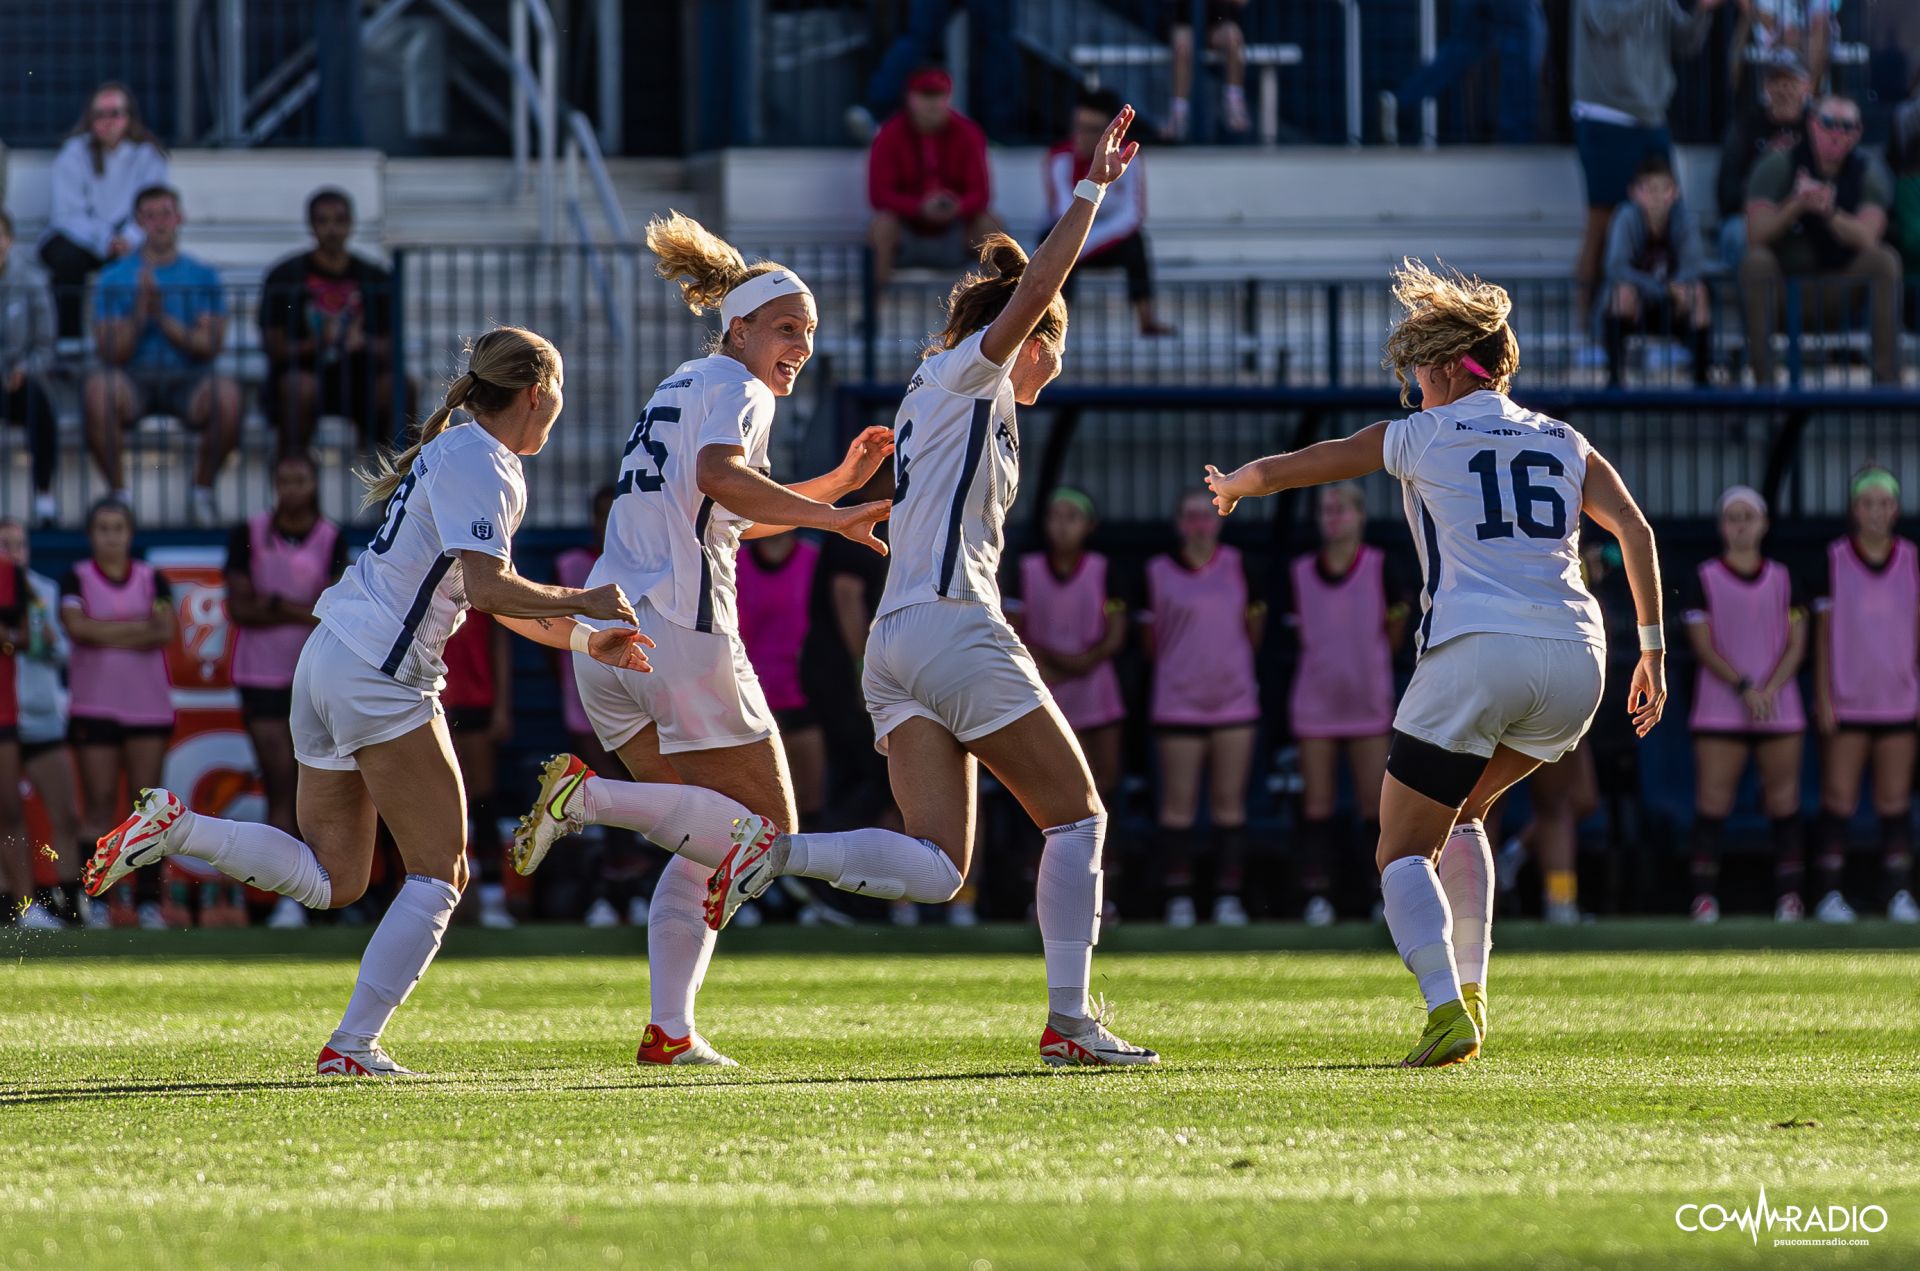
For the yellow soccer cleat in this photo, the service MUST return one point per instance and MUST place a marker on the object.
(1474, 998)
(556, 813)
(1450, 1038)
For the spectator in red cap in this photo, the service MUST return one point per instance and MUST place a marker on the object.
(928, 181)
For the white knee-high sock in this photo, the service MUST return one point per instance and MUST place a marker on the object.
(1422, 926)
(875, 862)
(1066, 899)
(688, 821)
(402, 948)
(257, 855)
(679, 944)
(1466, 872)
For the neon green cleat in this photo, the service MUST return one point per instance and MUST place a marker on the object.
(550, 820)
(1450, 1038)
(1474, 998)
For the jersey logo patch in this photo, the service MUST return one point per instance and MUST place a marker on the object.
(482, 530)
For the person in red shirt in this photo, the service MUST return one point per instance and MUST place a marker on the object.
(1118, 239)
(478, 700)
(928, 181)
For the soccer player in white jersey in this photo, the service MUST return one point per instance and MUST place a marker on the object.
(693, 483)
(367, 724)
(1512, 648)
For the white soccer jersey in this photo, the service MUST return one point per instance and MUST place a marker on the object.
(1493, 496)
(397, 604)
(665, 539)
(956, 463)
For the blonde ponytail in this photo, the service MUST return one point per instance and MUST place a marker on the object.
(1450, 316)
(501, 364)
(705, 265)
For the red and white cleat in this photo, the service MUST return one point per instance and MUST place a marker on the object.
(693, 1050)
(747, 871)
(1088, 1042)
(371, 1062)
(145, 838)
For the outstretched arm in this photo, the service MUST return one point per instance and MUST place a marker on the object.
(723, 476)
(621, 647)
(1605, 498)
(1341, 459)
(869, 450)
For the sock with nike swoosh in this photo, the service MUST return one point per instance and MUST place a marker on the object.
(258, 855)
(1422, 926)
(875, 862)
(679, 944)
(688, 821)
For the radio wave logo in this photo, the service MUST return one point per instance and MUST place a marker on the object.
(1826, 1220)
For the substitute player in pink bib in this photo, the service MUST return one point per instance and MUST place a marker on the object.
(1511, 642)
(1747, 624)
(1347, 624)
(1867, 691)
(1202, 625)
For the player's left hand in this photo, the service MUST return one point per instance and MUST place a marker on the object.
(621, 648)
(1647, 697)
(869, 450)
(1113, 152)
(1226, 495)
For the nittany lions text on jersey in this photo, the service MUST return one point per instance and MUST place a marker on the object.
(397, 604)
(1493, 496)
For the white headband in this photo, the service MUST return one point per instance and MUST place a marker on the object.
(756, 291)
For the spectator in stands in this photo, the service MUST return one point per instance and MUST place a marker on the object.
(326, 323)
(1774, 121)
(118, 612)
(1817, 215)
(1515, 30)
(1118, 239)
(1866, 693)
(26, 354)
(1623, 81)
(45, 758)
(19, 905)
(479, 703)
(108, 158)
(922, 37)
(1225, 37)
(278, 563)
(1204, 622)
(1773, 30)
(1656, 271)
(1903, 152)
(159, 322)
(1747, 624)
(928, 181)
(1349, 613)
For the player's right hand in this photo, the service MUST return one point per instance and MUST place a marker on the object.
(607, 603)
(856, 523)
(1112, 153)
(620, 647)
(1647, 697)
(1220, 484)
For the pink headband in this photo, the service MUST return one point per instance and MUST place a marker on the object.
(1468, 362)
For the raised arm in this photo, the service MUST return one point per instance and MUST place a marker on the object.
(1605, 498)
(1341, 459)
(1047, 272)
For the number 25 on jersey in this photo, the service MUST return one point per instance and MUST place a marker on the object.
(637, 477)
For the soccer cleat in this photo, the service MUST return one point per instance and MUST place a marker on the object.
(1451, 1038)
(142, 839)
(1902, 908)
(371, 1062)
(560, 780)
(745, 872)
(1833, 908)
(1320, 912)
(1790, 908)
(1088, 1043)
(1474, 998)
(1705, 909)
(693, 1050)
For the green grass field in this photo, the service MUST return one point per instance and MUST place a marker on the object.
(158, 1104)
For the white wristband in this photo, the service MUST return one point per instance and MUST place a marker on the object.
(578, 637)
(1653, 639)
(1090, 190)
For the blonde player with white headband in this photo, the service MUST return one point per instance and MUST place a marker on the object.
(367, 724)
(693, 484)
